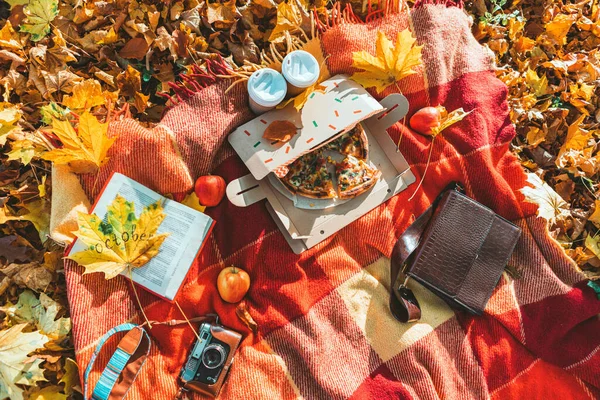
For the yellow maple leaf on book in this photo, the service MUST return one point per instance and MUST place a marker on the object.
(120, 241)
(390, 64)
(83, 150)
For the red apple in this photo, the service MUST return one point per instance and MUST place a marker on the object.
(210, 190)
(425, 119)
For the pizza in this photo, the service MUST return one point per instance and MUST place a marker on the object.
(355, 177)
(352, 143)
(308, 176)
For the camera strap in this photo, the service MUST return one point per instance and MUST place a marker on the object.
(127, 360)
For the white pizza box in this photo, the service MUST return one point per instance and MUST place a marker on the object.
(302, 227)
(323, 117)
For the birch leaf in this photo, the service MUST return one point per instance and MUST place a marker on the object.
(120, 241)
(390, 64)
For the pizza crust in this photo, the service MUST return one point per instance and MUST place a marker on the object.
(360, 189)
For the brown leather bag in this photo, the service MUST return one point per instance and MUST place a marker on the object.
(457, 248)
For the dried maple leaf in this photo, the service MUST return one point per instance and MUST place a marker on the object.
(32, 275)
(577, 137)
(539, 85)
(71, 376)
(290, 17)
(40, 13)
(191, 200)
(551, 206)
(280, 131)
(221, 14)
(390, 64)
(595, 217)
(535, 136)
(38, 213)
(9, 39)
(17, 367)
(244, 315)
(41, 312)
(558, 28)
(86, 94)
(85, 150)
(448, 119)
(48, 393)
(135, 48)
(9, 116)
(301, 99)
(122, 241)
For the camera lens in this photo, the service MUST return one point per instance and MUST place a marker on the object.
(213, 356)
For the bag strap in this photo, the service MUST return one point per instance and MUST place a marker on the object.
(127, 360)
(403, 303)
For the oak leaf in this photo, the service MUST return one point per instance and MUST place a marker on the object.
(40, 13)
(390, 64)
(85, 150)
(551, 206)
(16, 367)
(120, 242)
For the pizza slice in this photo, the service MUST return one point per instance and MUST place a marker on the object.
(354, 177)
(308, 176)
(352, 143)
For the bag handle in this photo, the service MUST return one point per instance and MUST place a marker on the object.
(127, 360)
(403, 303)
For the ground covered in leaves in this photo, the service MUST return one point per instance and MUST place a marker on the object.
(67, 61)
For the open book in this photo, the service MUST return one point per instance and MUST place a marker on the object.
(188, 228)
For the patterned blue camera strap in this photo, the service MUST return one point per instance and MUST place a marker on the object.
(117, 363)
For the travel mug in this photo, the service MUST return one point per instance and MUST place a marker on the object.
(300, 69)
(266, 89)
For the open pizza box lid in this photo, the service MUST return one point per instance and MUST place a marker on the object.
(323, 117)
(306, 222)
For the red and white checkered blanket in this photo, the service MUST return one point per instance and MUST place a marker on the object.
(324, 327)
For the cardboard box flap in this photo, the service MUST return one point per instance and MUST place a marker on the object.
(324, 116)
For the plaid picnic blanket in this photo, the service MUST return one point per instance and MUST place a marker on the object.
(324, 327)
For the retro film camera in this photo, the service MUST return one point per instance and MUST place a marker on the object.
(208, 363)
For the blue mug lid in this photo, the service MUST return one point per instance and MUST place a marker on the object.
(267, 87)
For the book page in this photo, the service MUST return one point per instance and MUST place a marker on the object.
(188, 228)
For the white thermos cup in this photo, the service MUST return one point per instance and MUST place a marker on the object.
(300, 69)
(266, 89)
